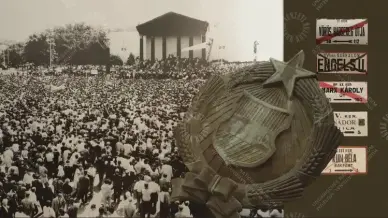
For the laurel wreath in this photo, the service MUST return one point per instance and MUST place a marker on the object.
(197, 127)
(323, 142)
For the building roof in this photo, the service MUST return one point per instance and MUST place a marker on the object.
(173, 24)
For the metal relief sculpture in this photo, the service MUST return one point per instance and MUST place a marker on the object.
(255, 138)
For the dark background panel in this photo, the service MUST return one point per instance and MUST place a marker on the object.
(359, 195)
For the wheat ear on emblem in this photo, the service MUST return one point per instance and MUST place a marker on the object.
(196, 127)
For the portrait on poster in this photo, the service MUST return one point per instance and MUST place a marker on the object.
(345, 92)
(351, 123)
(342, 62)
(348, 160)
(342, 31)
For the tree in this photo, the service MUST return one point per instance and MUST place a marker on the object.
(81, 44)
(115, 60)
(15, 55)
(130, 59)
(36, 50)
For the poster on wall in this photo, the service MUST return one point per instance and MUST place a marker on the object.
(342, 62)
(348, 160)
(352, 123)
(342, 31)
(345, 92)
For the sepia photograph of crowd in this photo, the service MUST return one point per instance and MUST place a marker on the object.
(90, 93)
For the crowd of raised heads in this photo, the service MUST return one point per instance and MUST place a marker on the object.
(91, 146)
(170, 68)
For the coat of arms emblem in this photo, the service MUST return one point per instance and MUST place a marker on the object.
(264, 134)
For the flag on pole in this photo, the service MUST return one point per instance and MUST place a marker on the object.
(255, 47)
(196, 47)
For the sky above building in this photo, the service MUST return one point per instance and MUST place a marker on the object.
(233, 24)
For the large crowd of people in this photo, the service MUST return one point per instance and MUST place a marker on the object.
(170, 68)
(98, 147)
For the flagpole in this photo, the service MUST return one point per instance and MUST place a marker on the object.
(255, 50)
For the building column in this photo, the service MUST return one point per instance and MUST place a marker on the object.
(164, 48)
(191, 43)
(178, 47)
(152, 48)
(141, 48)
(204, 49)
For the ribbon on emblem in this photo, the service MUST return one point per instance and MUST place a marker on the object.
(203, 185)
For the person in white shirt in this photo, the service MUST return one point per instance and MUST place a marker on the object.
(74, 158)
(25, 154)
(128, 148)
(147, 167)
(146, 203)
(78, 173)
(49, 156)
(180, 213)
(261, 213)
(91, 174)
(138, 166)
(33, 196)
(167, 170)
(107, 191)
(15, 147)
(48, 212)
(155, 190)
(93, 213)
(186, 210)
(80, 146)
(164, 203)
(120, 147)
(8, 157)
(276, 213)
(27, 179)
(130, 168)
(137, 188)
(61, 172)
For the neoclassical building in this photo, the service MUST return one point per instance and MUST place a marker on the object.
(169, 34)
